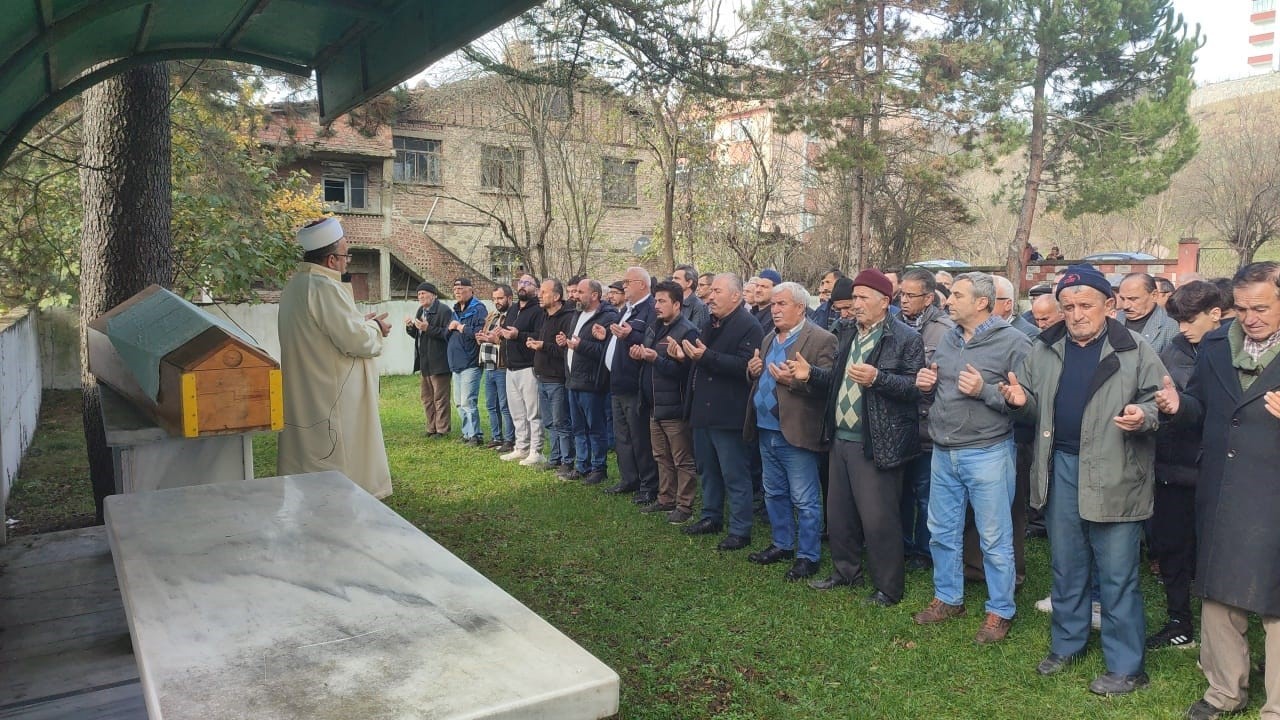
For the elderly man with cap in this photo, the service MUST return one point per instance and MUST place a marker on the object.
(761, 299)
(1090, 385)
(429, 328)
(327, 357)
(1136, 297)
(870, 419)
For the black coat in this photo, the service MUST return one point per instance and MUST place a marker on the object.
(528, 321)
(719, 388)
(1238, 496)
(588, 373)
(1178, 447)
(431, 346)
(665, 382)
(890, 407)
(548, 363)
(624, 373)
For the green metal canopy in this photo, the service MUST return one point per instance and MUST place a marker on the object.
(50, 50)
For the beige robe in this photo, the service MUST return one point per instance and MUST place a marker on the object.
(327, 352)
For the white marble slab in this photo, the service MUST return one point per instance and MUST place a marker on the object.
(304, 597)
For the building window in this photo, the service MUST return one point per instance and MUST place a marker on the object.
(1263, 5)
(618, 182)
(505, 263)
(501, 168)
(417, 160)
(346, 191)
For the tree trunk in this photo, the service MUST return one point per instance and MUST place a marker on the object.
(126, 244)
(1014, 262)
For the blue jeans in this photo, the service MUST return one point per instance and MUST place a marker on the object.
(466, 395)
(553, 405)
(791, 485)
(587, 411)
(1075, 545)
(915, 505)
(721, 455)
(984, 478)
(501, 427)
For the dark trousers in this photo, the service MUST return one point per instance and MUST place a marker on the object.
(632, 443)
(1021, 495)
(721, 458)
(863, 511)
(1173, 543)
(915, 508)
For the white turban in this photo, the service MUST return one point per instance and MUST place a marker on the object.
(320, 233)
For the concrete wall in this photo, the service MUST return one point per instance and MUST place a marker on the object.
(19, 395)
(59, 353)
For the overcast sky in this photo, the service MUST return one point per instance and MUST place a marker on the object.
(1225, 25)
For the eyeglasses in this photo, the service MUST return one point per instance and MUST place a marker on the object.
(530, 283)
(340, 255)
(633, 280)
(915, 296)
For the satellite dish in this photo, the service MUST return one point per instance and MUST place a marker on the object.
(641, 244)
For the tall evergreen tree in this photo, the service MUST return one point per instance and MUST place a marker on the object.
(1094, 91)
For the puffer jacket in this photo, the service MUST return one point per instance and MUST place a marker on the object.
(891, 405)
(664, 383)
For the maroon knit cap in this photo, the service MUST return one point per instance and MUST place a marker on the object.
(875, 280)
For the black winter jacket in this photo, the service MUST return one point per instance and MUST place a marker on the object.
(588, 373)
(624, 377)
(548, 363)
(431, 346)
(664, 383)
(1178, 448)
(891, 405)
(528, 321)
(719, 388)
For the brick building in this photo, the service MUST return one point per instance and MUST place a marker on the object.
(463, 178)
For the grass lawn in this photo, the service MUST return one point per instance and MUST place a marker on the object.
(694, 633)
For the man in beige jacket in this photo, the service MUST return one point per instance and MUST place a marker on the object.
(327, 351)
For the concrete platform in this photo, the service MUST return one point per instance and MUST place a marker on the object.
(304, 597)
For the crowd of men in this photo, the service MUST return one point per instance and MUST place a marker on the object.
(918, 421)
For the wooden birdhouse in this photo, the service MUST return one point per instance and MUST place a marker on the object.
(196, 374)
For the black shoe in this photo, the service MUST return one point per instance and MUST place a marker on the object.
(621, 488)
(1116, 684)
(1202, 710)
(595, 477)
(879, 599)
(1054, 663)
(702, 527)
(801, 569)
(505, 448)
(496, 444)
(1173, 634)
(733, 542)
(1036, 532)
(918, 562)
(477, 441)
(568, 472)
(771, 555)
(646, 499)
(656, 507)
(832, 582)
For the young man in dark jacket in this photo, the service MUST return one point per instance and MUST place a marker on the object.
(718, 396)
(524, 321)
(588, 383)
(871, 422)
(429, 327)
(664, 384)
(1197, 308)
(549, 369)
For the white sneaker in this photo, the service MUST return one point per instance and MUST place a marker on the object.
(533, 459)
(514, 455)
(1045, 605)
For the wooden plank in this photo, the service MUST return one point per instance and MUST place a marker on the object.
(58, 603)
(63, 635)
(18, 582)
(53, 547)
(114, 702)
(60, 674)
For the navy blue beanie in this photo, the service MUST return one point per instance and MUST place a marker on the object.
(771, 274)
(1084, 274)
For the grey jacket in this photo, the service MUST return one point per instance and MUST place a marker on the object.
(1160, 329)
(932, 324)
(957, 420)
(1117, 474)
